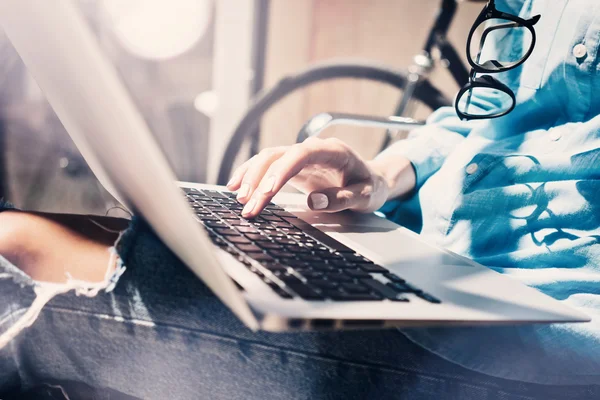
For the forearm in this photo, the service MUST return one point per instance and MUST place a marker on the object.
(397, 171)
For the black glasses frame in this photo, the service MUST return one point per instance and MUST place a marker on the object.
(493, 66)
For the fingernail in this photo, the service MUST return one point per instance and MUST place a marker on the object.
(230, 181)
(243, 192)
(249, 207)
(268, 186)
(319, 201)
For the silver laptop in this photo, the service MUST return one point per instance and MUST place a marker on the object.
(289, 269)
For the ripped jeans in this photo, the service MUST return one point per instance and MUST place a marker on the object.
(161, 334)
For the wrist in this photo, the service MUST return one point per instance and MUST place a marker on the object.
(397, 172)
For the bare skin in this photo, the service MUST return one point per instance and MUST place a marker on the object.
(48, 251)
(331, 173)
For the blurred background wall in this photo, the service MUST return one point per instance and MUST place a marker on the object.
(192, 67)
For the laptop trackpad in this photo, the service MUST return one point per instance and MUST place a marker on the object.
(381, 240)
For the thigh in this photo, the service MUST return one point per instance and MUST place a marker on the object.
(162, 334)
(15, 294)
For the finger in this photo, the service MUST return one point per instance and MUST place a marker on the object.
(329, 152)
(357, 197)
(236, 179)
(256, 170)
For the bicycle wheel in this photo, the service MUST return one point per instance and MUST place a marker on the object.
(425, 93)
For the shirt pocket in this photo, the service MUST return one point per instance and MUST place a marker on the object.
(534, 69)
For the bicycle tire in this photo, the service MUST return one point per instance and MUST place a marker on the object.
(425, 92)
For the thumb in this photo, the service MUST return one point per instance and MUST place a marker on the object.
(353, 197)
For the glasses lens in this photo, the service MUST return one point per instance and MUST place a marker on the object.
(499, 43)
(484, 102)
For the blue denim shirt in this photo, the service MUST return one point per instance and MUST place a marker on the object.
(521, 193)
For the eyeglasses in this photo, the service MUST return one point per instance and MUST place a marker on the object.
(485, 97)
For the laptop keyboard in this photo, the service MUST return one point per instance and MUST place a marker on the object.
(294, 258)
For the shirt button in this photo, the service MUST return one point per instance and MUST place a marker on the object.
(555, 135)
(580, 51)
(472, 168)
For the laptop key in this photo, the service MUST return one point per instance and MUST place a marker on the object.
(269, 245)
(275, 267)
(317, 234)
(324, 284)
(283, 214)
(249, 248)
(282, 224)
(429, 298)
(340, 296)
(394, 278)
(214, 193)
(227, 232)
(412, 288)
(280, 254)
(246, 229)
(273, 233)
(272, 206)
(399, 287)
(308, 257)
(208, 218)
(309, 275)
(351, 287)
(306, 292)
(261, 257)
(357, 273)
(323, 267)
(357, 259)
(327, 255)
(373, 268)
(342, 264)
(228, 216)
(296, 263)
(286, 276)
(403, 287)
(272, 218)
(238, 222)
(297, 249)
(216, 224)
(289, 230)
(337, 277)
(386, 291)
(257, 237)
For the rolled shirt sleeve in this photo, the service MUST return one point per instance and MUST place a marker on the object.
(428, 147)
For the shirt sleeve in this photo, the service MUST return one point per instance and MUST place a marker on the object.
(428, 147)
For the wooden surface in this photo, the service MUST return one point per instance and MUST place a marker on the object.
(389, 32)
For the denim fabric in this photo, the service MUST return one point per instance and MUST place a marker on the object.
(521, 194)
(161, 334)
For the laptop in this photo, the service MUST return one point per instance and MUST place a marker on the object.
(289, 269)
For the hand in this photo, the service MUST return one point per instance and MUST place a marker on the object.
(334, 176)
(47, 251)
